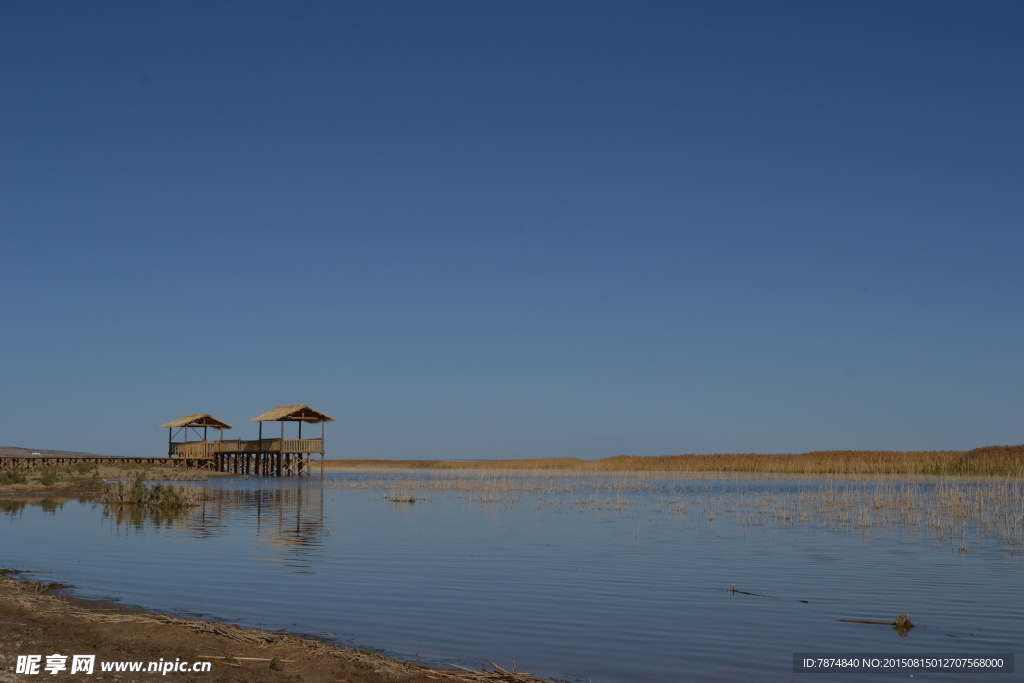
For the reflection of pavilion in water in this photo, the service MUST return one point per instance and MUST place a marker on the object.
(288, 518)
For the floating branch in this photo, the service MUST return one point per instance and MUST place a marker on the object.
(901, 624)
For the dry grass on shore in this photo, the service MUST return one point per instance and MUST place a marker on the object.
(990, 461)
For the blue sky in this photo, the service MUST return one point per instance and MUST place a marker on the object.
(514, 229)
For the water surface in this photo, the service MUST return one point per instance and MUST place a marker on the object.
(596, 580)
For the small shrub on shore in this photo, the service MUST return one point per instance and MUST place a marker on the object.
(13, 477)
(50, 477)
(135, 492)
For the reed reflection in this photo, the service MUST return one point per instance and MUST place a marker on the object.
(140, 518)
(15, 507)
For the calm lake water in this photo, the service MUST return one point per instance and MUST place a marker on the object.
(586, 579)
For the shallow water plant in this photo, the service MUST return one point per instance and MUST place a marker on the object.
(136, 492)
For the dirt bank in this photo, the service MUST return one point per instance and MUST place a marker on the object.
(35, 619)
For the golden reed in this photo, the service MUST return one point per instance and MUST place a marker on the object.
(990, 461)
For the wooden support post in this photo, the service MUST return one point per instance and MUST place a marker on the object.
(280, 452)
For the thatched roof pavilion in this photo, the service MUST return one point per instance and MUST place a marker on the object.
(198, 420)
(274, 456)
(296, 413)
(195, 422)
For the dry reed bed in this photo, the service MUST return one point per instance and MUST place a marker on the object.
(33, 596)
(948, 508)
(990, 461)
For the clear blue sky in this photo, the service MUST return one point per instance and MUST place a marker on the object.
(514, 229)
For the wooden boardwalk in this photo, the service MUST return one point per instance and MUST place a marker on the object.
(13, 462)
(271, 457)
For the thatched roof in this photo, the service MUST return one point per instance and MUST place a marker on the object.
(299, 413)
(199, 420)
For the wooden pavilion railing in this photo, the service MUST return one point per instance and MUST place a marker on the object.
(208, 449)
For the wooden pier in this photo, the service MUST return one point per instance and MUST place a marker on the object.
(270, 457)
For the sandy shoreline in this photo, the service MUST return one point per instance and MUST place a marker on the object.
(41, 619)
